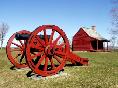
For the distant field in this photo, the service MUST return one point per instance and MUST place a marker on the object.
(102, 72)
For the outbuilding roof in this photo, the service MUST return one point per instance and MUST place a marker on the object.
(94, 34)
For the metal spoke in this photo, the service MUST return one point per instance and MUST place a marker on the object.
(40, 41)
(52, 63)
(56, 40)
(17, 45)
(59, 53)
(15, 49)
(51, 36)
(57, 59)
(23, 55)
(45, 36)
(17, 56)
(21, 43)
(61, 45)
(35, 55)
(39, 62)
(46, 64)
(25, 41)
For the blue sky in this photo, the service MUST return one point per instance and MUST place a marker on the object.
(69, 15)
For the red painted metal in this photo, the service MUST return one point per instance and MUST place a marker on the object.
(52, 58)
(15, 50)
(76, 60)
(47, 54)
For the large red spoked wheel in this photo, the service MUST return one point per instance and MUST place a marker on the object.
(47, 49)
(15, 50)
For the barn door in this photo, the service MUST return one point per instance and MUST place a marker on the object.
(94, 44)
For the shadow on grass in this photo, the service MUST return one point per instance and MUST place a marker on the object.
(31, 73)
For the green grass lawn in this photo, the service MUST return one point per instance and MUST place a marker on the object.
(102, 72)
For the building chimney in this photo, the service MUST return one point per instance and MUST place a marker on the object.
(94, 28)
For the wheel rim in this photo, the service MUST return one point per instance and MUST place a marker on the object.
(15, 50)
(51, 55)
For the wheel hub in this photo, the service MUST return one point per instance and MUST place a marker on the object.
(49, 51)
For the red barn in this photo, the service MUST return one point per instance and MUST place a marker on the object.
(87, 39)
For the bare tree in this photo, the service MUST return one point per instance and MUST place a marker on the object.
(113, 42)
(3, 30)
(114, 23)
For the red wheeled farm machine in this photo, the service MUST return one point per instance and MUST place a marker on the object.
(45, 50)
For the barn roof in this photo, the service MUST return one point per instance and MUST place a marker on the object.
(94, 34)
